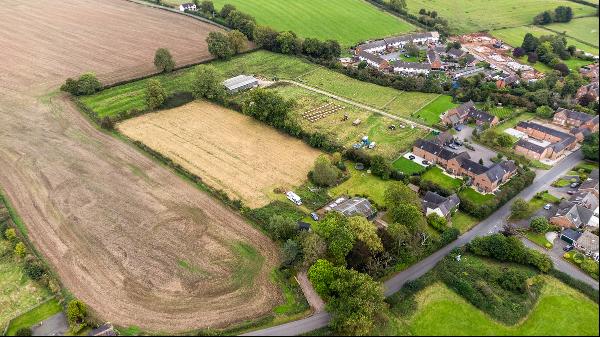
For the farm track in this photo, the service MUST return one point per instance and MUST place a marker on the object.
(139, 245)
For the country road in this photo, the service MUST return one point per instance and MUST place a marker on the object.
(492, 224)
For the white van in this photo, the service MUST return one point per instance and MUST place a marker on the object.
(293, 197)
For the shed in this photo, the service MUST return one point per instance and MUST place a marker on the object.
(240, 83)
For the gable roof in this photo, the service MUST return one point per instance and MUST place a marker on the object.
(239, 81)
(411, 65)
(371, 57)
(577, 115)
(455, 52)
(585, 198)
(544, 129)
(434, 149)
(588, 241)
(433, 200)
(576, 214)
(499, 170)
(481, 115)
(471, 166)
(356, 206)
(524, 143)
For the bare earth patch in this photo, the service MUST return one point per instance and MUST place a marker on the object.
(127, 236)
(228, 150)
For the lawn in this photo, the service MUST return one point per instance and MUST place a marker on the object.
(583, 29)
(538, 238)
(503, 112)
(463, 221)
(362, 183)
(561, 182)
(407, 166)
(347, 21)
(511, 123)
(514, 36)
(17, 291)
(390, 143)
(34, 316)
(474, 196)
(437, 176)
(443, 312)
(430, 113)
(467, 16)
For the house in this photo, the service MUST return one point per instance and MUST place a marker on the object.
(570, 215)
(442, 206)
(509, 80)
(532, 150)
(587, 243)
(240, 83)
(411, 68)
(544, 142)
(397, 42)
(485, 179)
(188, 6)
(468, 71)
(455, 53)
(444, 138)
(586, 199)
(588, 92)
(570, 236)
(467, 111)
(352, 206)
(572, 118)
(434, 59)
(591, 184)
(373, 60)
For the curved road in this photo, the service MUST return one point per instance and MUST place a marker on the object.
(492, 224)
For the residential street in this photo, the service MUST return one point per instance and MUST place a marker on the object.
(490, 225)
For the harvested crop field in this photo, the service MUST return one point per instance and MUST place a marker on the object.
(139, 245)
(228, 150)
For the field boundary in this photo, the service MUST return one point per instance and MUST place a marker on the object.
(569, 36)
(173, 10)
(24, 311)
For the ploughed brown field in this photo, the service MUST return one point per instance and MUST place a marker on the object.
(127, 236)
(228, 150)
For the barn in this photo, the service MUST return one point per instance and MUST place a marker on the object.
(240, 83)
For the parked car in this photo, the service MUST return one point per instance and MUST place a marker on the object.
(568, 248)
(314, 216)
(574, 185)
(452, 146)
(411, 157)
(571, 192)
(425, 162)
(458, 142)
(547, 206)
(458, 127)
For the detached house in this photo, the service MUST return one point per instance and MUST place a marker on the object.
(467, 111)
(591, 184)
(588, 244)
(442, 206)
(570, 215)
(187, 7)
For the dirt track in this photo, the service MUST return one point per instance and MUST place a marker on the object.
(139, 245)
(230, 151)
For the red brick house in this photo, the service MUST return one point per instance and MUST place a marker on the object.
(575, 119)
(466, 112)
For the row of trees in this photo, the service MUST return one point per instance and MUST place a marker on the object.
(429, 19)
(225, 45)
(560, 14)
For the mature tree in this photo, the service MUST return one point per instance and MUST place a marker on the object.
(207, 7)
(282, 227)
(590, 147)
(335, 230)
(313, 248)
(312, 47)
(398, 5)
(88, 84)
(380, 167)
(543, 18)
(365, 232)
(532, 57)
(407, 215)
(504, 140)
(76, 312)
(287, 42)
(545, 52)
(321, 274)
(530, 43)
(225, 10)
(207, 84)
(155, 94)
(267, 106)
(266, 37)
(563, 14)
(544, 111)
(398, 193)
(563, 68)
(412, 49)
(291, 252)
(237, 40)
(520, 209)
(242, 22)
(163, 61)
(518, 52)
(324, 172)
(540, 224)
(219, 45)
(70, 86)
(438, 222)
(332, 49)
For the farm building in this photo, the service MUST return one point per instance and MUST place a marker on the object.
(188, 6)
(351, 207)
(240, 83)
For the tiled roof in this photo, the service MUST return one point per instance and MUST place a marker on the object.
(411, 65)
(524, 143)
(577, 115)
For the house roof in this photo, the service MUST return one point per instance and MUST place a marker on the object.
(588, 241)
(432, 56)
(471, 166)
(433, 200)
(591, 182)
(524, 143)
(444, 138)
(356, 206)
(577, 115)
(585, 198)
(411, 65)
(544, 129)
(239, 81)
(563, 143)
(188, 5)
(371, 57)
(481, 115)
(571, 234)
(455, 52)
(434, 149)
(576, 214)
(499, 170)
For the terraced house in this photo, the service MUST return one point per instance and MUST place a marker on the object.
(485, 179)
(543, 142)
(576, 120)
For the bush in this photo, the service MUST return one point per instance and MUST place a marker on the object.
(590, 266)
(24, 332)
(20, 249)
(163, 61)
(540, 224)
(324, 173)
(509, 249)
(437, 222)
(87, 84)
(33, 268)
(76, 312)
(578, 258)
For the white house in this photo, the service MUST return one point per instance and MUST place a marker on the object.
(411, 68)
(188, 6)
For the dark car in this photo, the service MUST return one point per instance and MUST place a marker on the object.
(568, 248)
(458, 127)
(571, 192)
(411, 157)
(425, 162)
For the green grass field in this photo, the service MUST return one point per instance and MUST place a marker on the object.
(437, 176)
(34, 316)
(17, 291)
(514, 36)
(347, 21)
(584, 29)
(407, 166)
(560, 310)
(430, 113)
(362, 183)
(465, 16)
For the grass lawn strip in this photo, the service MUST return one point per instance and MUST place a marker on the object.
(463, 221)
(437, 176)
(34, 316)
(362, 183)
(407, 166)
